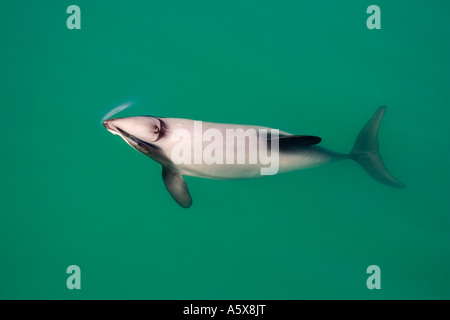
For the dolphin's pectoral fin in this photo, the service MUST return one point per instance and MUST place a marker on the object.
(177, 187)
(291, 142)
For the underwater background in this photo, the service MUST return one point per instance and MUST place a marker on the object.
(73, 194)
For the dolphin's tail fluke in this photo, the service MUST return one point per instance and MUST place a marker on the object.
(365, 152)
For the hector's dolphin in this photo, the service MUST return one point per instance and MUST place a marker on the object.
(171, 142)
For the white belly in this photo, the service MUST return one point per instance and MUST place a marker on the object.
(308, 157)
(203, 162)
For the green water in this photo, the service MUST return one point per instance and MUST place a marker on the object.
(73, 194)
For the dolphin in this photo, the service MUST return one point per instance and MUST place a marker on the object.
(154, 137)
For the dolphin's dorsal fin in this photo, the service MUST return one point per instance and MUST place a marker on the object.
(177, 187)
(291, 142)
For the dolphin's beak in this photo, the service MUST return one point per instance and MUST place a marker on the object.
(106, 123)
(131, 140)
(110, 127)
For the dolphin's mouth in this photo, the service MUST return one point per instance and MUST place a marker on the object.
(136, 143)
(105, 123)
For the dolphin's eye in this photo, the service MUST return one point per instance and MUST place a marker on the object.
(154, 128)
(157, 127)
